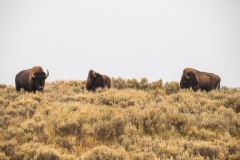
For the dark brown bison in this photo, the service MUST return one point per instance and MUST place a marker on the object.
(31, 80)
(95, 80)
(192, 78)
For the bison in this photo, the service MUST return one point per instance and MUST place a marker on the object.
(197, 80)
(95, 80)
(31, 80)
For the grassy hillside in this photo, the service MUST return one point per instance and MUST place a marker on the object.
(133, 120)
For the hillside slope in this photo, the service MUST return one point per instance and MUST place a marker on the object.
(139, 121)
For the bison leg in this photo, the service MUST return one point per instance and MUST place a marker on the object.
(18, 89)
(93, 89)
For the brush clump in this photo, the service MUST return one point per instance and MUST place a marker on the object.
(132, 120)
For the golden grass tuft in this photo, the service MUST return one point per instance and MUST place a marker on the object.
(132, 120)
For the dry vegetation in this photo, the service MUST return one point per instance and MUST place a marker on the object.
(133, 120)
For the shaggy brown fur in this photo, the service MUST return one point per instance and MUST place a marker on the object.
(192, 78)
(31, 79)
(95, 80)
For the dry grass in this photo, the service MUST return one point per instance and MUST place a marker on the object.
(133, 120)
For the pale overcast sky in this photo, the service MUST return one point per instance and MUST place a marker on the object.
(128, 38)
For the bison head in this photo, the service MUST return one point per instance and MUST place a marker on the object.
(188, 80)
(38, 79)
(192, 78)
(91, 74)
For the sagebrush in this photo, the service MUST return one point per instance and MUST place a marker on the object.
(132, 120)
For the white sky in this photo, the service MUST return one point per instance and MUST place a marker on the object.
(128, 39)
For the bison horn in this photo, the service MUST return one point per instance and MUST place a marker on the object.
(94, 74)
(187, 77)
(32, 75)
(47, 74)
